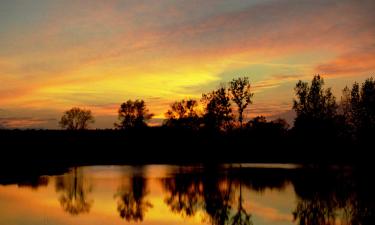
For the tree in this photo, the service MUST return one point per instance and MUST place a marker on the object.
(76, 119)
(359, 107)
(218, 111)
(315, 107)
(241, 95)
(183, 114)
(261, 130)
(133, 114)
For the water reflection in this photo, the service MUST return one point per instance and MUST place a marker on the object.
(241, 217)
(74, 192)
(131, 202)
(326, 197)
(217, 195)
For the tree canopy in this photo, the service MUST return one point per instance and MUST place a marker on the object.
(183, 113)
(315, 106)
(133, 114)
(76, 119)
(359, 108)
(218, 112)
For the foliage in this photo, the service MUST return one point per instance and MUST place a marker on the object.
(76, 119)
(133, 114)
(218, 112)
(359, 108)
(315, 106)
(183, 114)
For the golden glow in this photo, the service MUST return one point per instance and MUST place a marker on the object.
(26, 206)
(100, 54)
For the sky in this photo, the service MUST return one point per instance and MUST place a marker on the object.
(95, 54)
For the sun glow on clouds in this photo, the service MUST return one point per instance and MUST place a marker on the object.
(96, 54)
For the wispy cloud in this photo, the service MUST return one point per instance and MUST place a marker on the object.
(90, 53)
(25, 122)
(356, 62)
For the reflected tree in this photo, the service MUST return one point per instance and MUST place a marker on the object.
(315, 212)
(74, 190)
(35, 182)
(184, 194)
(325, 196)
(334, 196)
(131, 202)
(204, 191)
(241, 217)
(218, 200)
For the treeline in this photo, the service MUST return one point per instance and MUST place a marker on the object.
(318, 114)
(214, 111)
(213, 129)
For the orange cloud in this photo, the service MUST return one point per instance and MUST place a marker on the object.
(350, 63)
(93, 53)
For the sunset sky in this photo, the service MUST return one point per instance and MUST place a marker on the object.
(96, 54)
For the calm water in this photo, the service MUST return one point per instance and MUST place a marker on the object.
(158, 194)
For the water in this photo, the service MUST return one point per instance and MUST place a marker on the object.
(259, 194)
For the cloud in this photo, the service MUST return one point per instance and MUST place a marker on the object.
(23, 122)
(269, 214)
(90, 53)
(357, 62)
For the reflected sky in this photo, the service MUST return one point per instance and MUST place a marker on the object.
(162, 194)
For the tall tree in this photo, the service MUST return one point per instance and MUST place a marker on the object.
(133, 114)
(314, 105)
(241, 95)
(76, 119)
(218, 111)
(359, 107)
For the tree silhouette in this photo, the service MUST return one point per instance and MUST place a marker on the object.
(76, 119)
(359, 108)
(241, 95)
(133, 114)
(313, 101)
(131, 203)
(316, 110)
(183, 114)
(74, 192)
(218, 112)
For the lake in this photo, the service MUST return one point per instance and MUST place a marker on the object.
(258, 194)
